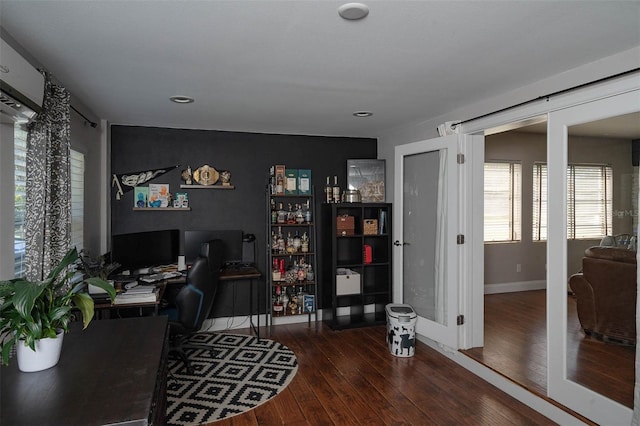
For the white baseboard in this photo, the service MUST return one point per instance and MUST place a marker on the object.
(515, 286)
(237, 323)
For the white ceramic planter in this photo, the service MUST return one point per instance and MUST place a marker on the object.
(46, 355)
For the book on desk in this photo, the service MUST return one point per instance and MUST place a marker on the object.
(137, 294)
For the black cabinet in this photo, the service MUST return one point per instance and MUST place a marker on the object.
(356, 263)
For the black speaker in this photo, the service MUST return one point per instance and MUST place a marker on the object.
(635, 152)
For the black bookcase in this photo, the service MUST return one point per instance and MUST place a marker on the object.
(365, 250)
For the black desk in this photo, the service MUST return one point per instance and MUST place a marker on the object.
(252, 273)
(113, 372)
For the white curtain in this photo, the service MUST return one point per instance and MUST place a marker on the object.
(441, 243)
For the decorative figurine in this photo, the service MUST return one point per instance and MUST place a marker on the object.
(293, 305)
(225, 177)
(186, 175)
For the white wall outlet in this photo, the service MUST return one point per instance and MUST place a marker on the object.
(518, 267)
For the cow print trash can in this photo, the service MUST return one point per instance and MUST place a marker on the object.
(401, 329)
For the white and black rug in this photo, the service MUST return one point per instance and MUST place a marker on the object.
(242, 373)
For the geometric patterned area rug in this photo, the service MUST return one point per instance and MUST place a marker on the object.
(241, 373)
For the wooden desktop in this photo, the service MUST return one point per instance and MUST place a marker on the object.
(114, 372)
(227, 274)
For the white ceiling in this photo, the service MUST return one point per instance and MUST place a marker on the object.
(297, 67)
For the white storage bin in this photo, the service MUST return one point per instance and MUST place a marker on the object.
(347, 282)
(401, 329)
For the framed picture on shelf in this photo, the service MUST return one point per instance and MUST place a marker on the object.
(368, 177)
(141, 196)
(309, 303)
(158, 195)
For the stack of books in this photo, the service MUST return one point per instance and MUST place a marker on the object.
(137, 294)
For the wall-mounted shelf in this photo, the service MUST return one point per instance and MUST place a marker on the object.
(184, 186)
(162, 209)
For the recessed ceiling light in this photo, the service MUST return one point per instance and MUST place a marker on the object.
(179, 99)
(353, 11)
(363, 113)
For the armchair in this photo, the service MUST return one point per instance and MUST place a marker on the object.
(605, 293)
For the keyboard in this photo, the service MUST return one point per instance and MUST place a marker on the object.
(240, 266)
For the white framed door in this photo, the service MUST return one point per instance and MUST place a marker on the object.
(425, 229)
(560, 387)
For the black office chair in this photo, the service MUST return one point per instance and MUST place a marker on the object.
(213, 250)
(194, 302)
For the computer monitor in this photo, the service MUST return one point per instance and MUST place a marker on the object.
(144, 249)
(232, 240)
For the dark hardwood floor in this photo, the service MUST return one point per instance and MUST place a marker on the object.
(350, 378)
(516, 345)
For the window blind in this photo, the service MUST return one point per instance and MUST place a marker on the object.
(502, 201)
(589, 201)
(77, 199)
(20, 197)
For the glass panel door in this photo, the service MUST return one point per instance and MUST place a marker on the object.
(590, 189)
(426, 203)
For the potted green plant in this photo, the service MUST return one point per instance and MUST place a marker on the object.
(31, 312)
(95, 266)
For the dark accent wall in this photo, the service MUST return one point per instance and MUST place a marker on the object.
(248, 156)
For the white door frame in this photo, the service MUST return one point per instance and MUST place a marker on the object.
(559, 387)
(473, 261)
(446, 334)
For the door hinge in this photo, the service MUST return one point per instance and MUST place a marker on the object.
(460, 320)
(460, 239)
(460, 158)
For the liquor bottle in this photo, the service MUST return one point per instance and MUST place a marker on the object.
(297, 243)
(275, 271)
(300, 296)
(302, 271)
(272, 180)
(310, 274)
(279, 184)
(308, 214)
(278, 307)
(282, 214)
(328, 191)
(304, 243)
(289, 243)
(291, 216)
(284, 298)
(274, 212)
(336, 190)
(274, 242)
(299, 214)
(281, 243)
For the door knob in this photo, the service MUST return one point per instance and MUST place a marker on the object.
(398, 243)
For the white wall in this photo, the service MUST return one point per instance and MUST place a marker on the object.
(88, 140)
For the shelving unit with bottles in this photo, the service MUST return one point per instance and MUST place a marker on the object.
(364, 250)
(291, 256)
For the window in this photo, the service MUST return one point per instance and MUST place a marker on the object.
(20, 197)
(77, 199)
(502, 201)
(589, 201)
(20, 203)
